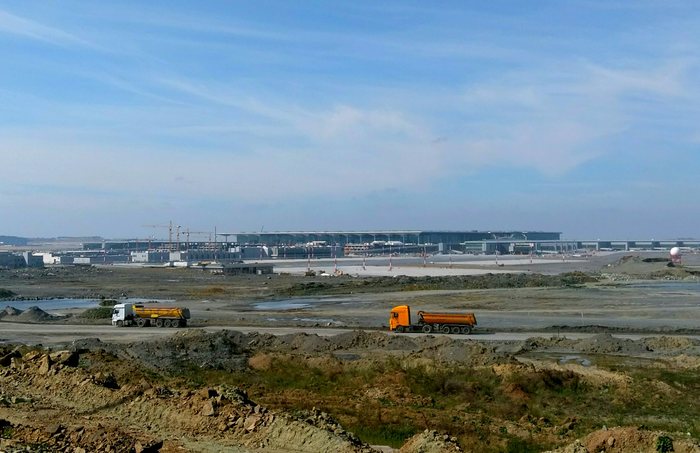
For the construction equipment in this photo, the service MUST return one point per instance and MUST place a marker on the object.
(141, 315)
(454, 323)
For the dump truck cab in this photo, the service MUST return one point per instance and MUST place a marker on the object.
(121, 314)
(400, 318)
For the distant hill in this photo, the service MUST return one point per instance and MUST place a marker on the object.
(13, 240)
(16, 240)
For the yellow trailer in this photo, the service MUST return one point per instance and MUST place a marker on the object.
(149, 315)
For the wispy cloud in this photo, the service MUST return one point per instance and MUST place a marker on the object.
(16, 25)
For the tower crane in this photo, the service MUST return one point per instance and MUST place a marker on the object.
(169, 226)
(188, 232)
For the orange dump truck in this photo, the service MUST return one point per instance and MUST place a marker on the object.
(400, 321)
(148, 315)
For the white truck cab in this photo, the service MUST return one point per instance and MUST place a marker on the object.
(121, 314)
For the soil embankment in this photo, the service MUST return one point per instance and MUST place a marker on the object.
(200, 391)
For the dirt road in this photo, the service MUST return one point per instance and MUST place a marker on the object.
(62, 334)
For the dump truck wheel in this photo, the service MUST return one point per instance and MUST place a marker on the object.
(166, 323)
(427, 328)
(400, 329)
(174, 323)
(141, 322)
(445, 329)
(466, 330)
(159, 322)
(455, 330)
(120, 323)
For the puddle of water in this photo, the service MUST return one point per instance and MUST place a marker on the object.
(50, 304)
(297, 304)
(280, 305)
(576, 359)
(63, 304)
(328, 320)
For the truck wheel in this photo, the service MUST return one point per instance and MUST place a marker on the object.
(166, 323)
(120, 323)
(427, 328)
(400, 329)
(141, 322)
(455, 330)
(445, 329)
(159, 322)
(174, 323)
(183, 323)
(466, 330)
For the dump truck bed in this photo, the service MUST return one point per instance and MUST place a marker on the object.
(162, 312)
(447, 318)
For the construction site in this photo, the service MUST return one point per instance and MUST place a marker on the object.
(596, 354)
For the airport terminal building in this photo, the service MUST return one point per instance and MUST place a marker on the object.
(418, 237)
(285, 243)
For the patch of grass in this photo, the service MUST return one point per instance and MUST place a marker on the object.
(518, 445)
(385, 434)
(97, 313)
(208, 291)
(385, 401)
(386, 284)
(108, 303)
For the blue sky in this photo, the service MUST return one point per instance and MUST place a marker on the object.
(579, 116)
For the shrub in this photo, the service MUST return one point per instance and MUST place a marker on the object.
(664, 444)
(97, 313)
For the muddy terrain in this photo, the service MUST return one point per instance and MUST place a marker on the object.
(353, 387)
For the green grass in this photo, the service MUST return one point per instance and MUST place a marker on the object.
(97, 313)
(385, 434)
(470, 403)
(108, 303)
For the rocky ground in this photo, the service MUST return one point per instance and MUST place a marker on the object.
(196, 392)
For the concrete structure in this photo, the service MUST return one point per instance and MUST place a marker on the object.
(11, 261)
(416, 237)
(205, 255)
(32, 260)
(150, 257)
(238, 268)
(329, 244)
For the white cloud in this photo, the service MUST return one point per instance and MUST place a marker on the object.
(10, 23)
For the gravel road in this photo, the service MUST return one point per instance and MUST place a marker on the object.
(60, 334)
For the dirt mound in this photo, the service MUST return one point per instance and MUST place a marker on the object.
(226, 350)
(448, 350)
(360, 339)
(231, 350)
(626, 439)
(430, 441)
(607, 344)
(117, 407)
(670, 343)
(34, 315)
(9, 311)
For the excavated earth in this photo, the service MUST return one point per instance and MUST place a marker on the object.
(96, 396)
